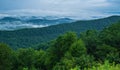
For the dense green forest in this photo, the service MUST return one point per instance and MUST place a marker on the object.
(31, 37)
(89, 50)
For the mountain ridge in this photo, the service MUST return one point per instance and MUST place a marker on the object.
(32, 36)
(15, 23)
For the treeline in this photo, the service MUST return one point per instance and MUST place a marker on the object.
(88, 51)
(30, 37)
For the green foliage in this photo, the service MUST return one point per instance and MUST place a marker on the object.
(64, 42)
(114, 57)
(68, 52)
(106, 66)
(28, 59)
(76, 55)
(78, 48)
(111, 35)
(103, 50)
(59, 48)
(91, 40)
(5, 57)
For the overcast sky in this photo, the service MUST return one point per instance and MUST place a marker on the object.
(76, 8)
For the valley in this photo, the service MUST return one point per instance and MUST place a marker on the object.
(29, 37)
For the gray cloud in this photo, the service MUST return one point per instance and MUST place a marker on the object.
(78, 8)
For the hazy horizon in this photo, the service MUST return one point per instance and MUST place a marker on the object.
(81, 9)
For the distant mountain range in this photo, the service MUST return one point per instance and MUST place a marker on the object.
(32, 36)
(21, 22)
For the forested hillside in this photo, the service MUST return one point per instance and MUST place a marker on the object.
(90, 50)
(30, 37)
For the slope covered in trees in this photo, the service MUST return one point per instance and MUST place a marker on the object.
(31, 37)
(91, 50)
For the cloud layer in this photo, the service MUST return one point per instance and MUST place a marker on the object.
(77, 8)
